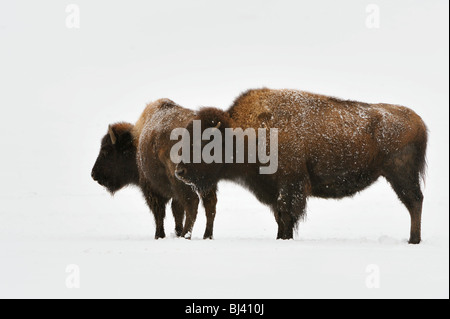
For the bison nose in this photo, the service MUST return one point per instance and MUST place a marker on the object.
(93, 175)
(180, 172)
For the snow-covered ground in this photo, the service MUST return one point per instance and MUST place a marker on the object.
(111, 240)
(61, 87)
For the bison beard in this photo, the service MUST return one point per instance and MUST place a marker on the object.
(328, 148)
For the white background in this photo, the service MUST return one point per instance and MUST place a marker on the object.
(61, 87)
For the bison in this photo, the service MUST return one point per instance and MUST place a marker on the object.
(327, 148)
(139, 155)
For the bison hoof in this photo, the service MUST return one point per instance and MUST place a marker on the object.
(188, 235)
(414, 241)
(178, 233)
(160, 236)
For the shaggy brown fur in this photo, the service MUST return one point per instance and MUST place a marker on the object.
(328, 148)
(141, 156)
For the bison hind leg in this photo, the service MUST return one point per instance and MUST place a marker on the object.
(404, 171)
(209, 202)
(178, 215)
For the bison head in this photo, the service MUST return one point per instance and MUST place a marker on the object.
(203, 174)
(116, 163)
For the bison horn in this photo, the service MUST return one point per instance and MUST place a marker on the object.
(111, 134)
(218, 124)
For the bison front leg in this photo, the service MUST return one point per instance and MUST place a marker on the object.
(280, 217)
(159, 212)
(290, 207)
(157, 205)
(286, 223)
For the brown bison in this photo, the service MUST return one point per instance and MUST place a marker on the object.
(327, 147)
(140, 155)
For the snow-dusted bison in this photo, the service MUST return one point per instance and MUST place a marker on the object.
(327, 147)
(140, 155)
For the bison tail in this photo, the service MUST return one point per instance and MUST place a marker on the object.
(421, 147)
